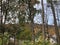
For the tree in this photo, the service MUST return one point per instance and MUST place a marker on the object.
(43, 22)
(55, 23)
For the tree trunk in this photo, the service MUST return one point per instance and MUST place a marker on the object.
(31, 16)
(1, 14)
(43, 23)
(55, 23)
(1, 22)
(6, 11)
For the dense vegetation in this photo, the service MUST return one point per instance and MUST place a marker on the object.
(18, 23)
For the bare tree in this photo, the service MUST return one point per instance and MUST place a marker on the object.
(43, 22)
(55, 22)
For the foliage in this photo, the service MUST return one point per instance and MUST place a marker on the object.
(13, 9)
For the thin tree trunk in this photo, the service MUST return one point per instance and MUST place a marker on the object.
(6, 11)
(31, 16)
(1, 21)
(1, 13)
(55, 23)
(43, 25)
